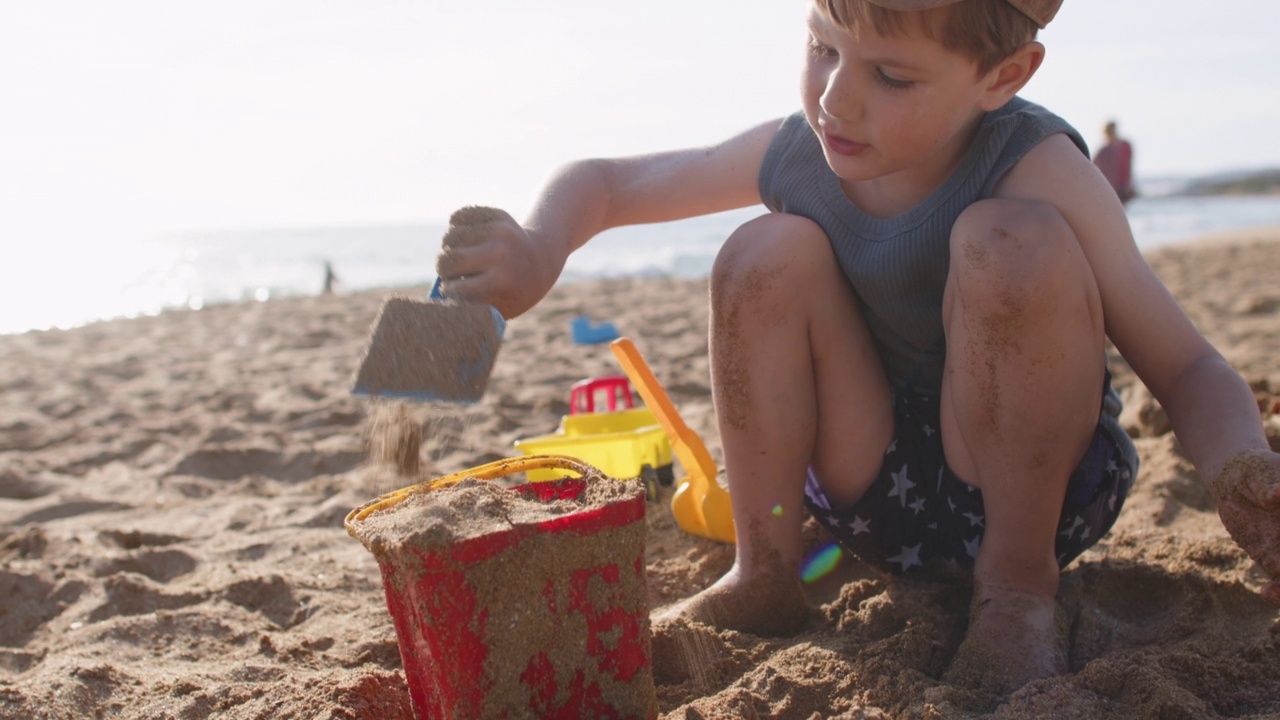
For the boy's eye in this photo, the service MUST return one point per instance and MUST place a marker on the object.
(891, 82)
(817, 48)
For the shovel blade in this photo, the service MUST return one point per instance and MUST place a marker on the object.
(432, 349)
(717, 513)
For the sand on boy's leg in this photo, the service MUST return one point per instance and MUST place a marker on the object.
(1020, 401)
(775, 287)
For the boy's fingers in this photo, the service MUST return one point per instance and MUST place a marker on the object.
(476, 215)
(460, 287)
(454, 261)
(464, 236)
(1252, 476)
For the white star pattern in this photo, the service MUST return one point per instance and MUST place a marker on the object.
(814, 492)
(908, 558)
(901, 484)
(1075, 525)
(1077, 530)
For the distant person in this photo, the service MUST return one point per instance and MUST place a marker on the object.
(330, 278)
(1115, 160)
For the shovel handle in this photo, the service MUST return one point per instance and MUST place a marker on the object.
(499, 322)
(685, 442)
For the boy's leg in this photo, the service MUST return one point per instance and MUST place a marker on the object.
(797, 382)
(1021, 399)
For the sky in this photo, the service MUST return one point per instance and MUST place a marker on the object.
(136, 117)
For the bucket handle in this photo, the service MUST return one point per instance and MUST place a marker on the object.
(488, 471)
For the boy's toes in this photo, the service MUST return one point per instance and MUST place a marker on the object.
(764, 609)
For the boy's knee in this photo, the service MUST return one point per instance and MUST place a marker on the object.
(1009, 249)
(768, 242)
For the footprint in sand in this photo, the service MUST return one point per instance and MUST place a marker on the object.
(15, 485)
(31, 601)
(1129, 605)
(130, 594)
(233, 463)
(272, 597)
(159, 565)
(69, 508)
(134, 539)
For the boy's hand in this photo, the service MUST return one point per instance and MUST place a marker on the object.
(486, 257)
(1248, 492)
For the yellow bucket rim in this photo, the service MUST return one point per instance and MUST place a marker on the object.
(488, 471)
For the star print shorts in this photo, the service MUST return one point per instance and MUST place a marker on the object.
(917, 509)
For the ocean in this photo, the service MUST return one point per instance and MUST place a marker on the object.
(62, 286)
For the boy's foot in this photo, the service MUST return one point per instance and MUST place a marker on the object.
(773, 607)
(1014, 637)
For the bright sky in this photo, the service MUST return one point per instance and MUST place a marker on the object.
(136, 116)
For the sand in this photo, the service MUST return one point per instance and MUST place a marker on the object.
(172, 491)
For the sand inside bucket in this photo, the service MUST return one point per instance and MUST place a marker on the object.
(517, 589)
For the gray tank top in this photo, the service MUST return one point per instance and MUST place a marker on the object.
(898, 266)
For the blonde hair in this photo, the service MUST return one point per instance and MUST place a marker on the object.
(985, 31)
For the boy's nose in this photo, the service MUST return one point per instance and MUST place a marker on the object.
(841, 99)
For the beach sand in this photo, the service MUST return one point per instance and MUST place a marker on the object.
(172, 491)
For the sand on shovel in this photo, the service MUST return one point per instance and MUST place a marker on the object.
(434, 349)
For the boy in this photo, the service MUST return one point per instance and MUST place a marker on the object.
(912, 342)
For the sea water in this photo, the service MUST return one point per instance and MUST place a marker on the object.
(76, 281)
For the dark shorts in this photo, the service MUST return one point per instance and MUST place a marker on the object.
(917, 510)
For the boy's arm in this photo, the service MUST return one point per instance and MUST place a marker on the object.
(1211, 408)
(487, 257)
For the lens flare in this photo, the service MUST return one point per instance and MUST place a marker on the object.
(777, 511)
(821, 562)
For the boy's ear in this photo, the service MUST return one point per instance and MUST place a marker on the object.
(1006, 79)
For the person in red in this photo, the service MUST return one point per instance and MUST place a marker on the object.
(1115, 160)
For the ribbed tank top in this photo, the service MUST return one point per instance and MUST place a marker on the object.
(898, 266)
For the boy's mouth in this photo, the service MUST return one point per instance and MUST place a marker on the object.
(842, 146)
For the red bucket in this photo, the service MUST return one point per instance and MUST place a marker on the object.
(546, 617)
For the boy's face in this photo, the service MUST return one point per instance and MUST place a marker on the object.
(888, 106)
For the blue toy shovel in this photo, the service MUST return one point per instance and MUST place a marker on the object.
(433, 349)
